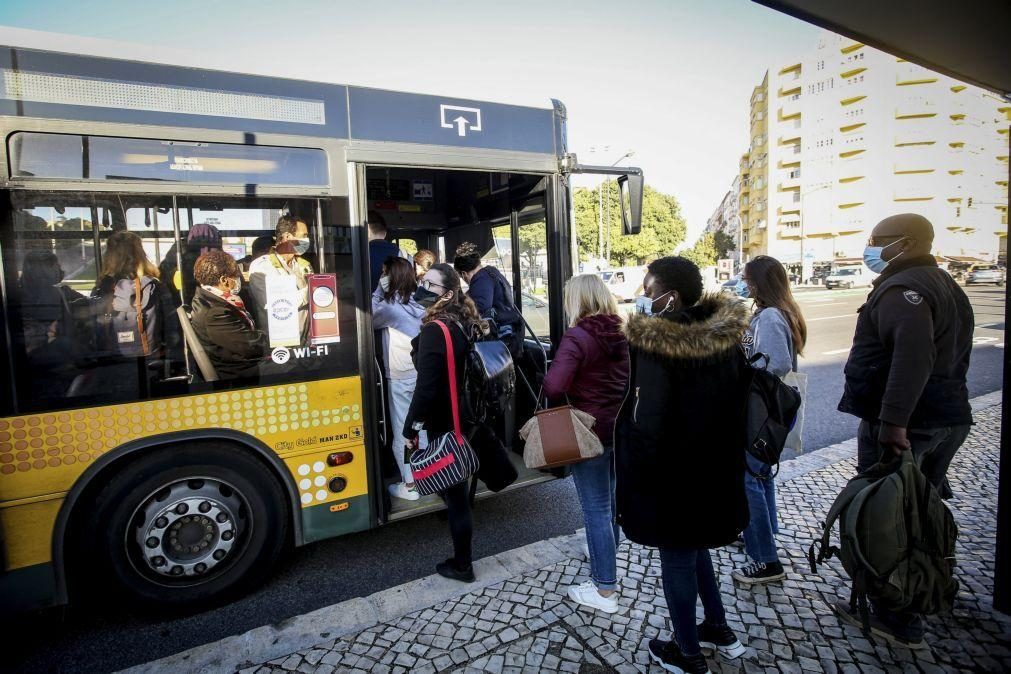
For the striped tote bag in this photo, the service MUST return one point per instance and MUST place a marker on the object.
(448, 459)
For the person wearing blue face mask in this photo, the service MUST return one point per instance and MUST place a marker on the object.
(291, 236)
(906, 372)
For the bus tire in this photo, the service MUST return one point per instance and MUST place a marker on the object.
(186, 526)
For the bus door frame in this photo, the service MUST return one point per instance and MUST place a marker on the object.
(373, 386)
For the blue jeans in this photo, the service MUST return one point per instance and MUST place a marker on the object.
(688, 575)
(760, 536)
(594, 480)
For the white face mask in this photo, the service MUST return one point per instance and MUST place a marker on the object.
(384, 283)
(644, 305)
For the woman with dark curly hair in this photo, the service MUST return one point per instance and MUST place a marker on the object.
(225, 329)
(431, 409)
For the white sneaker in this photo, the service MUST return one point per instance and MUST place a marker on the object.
(401, 490)
(587, 595)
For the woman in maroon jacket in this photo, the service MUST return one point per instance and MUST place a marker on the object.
(591, 370)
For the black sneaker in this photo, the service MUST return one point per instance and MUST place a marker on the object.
(759, 572)
(450, 569)
(910, 636)
(720, 638)
(669, 656)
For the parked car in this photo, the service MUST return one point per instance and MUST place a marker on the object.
(625, 283)
(849, 277)
(985, 273)
(730, 286)
(535, 310)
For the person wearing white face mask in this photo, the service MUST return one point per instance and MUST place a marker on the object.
(906, 372)
(220, 319)
(397, 316)
(291, 242)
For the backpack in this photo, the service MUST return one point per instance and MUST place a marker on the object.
(772, 407)
(489, 381)
(127, 324)
(506, 323)
(897, 541)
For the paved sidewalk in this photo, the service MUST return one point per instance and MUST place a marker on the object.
(521, 622)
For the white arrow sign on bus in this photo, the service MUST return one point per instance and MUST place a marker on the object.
(468, 118)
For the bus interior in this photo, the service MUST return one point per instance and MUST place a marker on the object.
(506, 216)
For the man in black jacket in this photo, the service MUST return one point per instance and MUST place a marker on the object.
(906, 373)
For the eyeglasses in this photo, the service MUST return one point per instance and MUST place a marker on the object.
(884, 240)
(427, 285)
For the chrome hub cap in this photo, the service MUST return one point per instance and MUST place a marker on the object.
(188, 528)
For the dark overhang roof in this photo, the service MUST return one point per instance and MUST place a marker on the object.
(967, 40)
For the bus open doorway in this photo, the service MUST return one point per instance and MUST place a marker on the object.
(506, 216)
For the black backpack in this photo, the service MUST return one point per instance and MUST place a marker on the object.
(489, 381)
(772, 408)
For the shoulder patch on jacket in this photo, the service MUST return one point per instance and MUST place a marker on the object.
(913, 297)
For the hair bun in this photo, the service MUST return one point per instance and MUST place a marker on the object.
(466, 249)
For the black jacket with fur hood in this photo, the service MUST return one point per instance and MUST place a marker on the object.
(680, 434)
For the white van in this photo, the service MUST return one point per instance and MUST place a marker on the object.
(625, 283)
(850, 276)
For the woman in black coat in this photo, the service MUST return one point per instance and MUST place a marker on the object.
(225, 329)
(679, 450)
(431, 407)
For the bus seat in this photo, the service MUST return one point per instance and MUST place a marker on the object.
(207, 370)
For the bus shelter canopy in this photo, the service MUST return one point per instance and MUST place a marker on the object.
(967, 41)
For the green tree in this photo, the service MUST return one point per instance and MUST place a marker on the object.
(724, 244)
(704, 253)
(533, 239)
(663, 228)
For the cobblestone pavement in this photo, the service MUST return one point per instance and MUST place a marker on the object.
(525, 624)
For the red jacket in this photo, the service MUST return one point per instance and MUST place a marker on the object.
(591, 367)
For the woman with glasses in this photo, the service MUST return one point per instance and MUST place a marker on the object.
(398, 317)
(777, 330)
(431, 408)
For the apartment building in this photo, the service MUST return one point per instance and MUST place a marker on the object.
(848, 135)
(726, 219)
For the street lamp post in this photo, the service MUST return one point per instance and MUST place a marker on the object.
(604, 244)
(801, 221)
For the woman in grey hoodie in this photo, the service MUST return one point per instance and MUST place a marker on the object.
(398, 316)
(778, 331)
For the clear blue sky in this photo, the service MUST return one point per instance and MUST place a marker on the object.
(670, 79)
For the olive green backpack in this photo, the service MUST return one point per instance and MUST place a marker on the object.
(897, 540)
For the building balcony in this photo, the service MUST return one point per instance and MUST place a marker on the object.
(789, 111)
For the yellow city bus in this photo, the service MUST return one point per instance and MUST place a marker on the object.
(126, 460)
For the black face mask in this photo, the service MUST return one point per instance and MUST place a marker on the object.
(425, 297)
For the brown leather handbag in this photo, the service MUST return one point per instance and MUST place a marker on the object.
(559, 436)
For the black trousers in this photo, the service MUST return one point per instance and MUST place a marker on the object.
(461, 526)
(933, 449)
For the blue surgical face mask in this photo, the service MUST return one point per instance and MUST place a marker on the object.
(644, 305)
(742, 290)
(300, 246)
(873, 259)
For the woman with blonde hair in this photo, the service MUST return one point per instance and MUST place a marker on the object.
(590, 371)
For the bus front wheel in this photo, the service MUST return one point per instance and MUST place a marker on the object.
(187, 526)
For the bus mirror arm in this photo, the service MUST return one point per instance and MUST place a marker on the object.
(630, 188)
